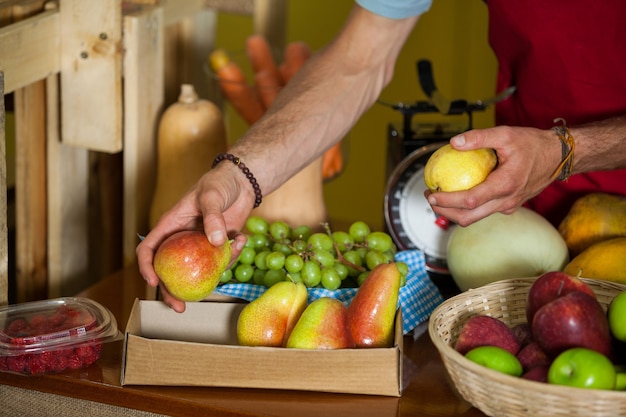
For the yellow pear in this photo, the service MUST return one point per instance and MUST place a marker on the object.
(269, 319)
(448, 169)
(322, 325)
(604, 260)
(592, 218)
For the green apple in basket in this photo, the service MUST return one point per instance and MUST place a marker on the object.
(496, 358)
(617, 316)
(620, 378)
(583, 368)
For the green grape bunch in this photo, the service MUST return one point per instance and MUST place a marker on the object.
(330, 259)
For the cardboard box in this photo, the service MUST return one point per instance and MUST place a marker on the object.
(199, 348)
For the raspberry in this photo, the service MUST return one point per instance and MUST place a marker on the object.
(65, 352)
(38, 321)
(71, 312)
(36, 365)
(83, 351)
(48, 358)
(88, 360)
(60, 363)
(17, 363)
(17, 327)
(74, 362)
(3, 364)
(57, 319)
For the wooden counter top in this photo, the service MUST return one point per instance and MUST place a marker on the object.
(429, 392)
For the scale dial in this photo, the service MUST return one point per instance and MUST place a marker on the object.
(411, 221)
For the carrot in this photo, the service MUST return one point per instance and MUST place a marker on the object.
(267, 87)
(296, 54)
(332, 162)
(233, 85)
(260, 55)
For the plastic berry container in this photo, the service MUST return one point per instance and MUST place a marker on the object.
(51, 336)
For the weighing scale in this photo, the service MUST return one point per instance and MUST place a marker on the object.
(409, 218)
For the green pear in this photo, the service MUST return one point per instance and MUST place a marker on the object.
(323, 325)
(372, 311)
(269, 319)
(189, 266)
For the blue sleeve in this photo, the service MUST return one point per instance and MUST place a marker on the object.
(396, 9)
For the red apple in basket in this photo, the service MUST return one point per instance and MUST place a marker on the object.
(572, 320)
(549, 286)
(532, 356)
(538, 373)
(486, 331)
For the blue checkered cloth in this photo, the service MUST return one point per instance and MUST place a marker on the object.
(418, 297)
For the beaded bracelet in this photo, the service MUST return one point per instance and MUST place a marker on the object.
(564, 170)
(258, 196)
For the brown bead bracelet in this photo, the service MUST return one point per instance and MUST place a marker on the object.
(258, 196)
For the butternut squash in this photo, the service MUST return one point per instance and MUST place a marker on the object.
(191, 134)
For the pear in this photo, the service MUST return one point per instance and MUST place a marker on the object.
(269, 319)
(448, 169)
(323, 325)
(189, 266)
(371, 313)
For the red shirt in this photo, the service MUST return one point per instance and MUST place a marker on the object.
(567, 59)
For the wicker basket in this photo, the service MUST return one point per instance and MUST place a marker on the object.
(497, 394)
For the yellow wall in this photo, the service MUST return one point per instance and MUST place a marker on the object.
(453, 35)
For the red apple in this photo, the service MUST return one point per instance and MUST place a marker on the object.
(486, 331)
(538, 373)
(189, 266)
(572, 320)
(531, 356)
(549, 286)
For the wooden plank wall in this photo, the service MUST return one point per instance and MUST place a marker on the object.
(30, 173)
(4, 243)
(86, 150)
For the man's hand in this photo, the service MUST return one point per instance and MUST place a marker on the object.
(527, 158)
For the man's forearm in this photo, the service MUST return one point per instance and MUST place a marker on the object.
(324, 99)
(600, 145)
